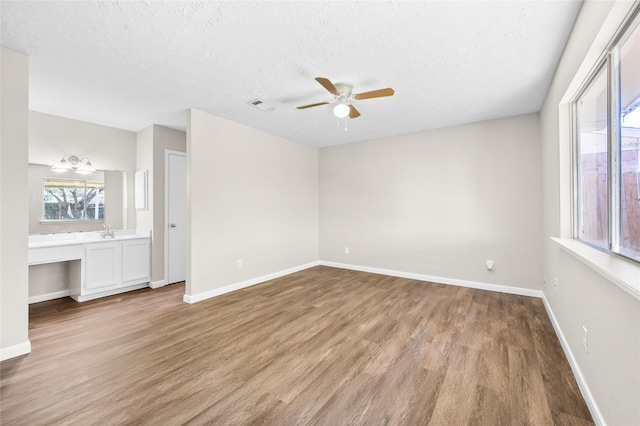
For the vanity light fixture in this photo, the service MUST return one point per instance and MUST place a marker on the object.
(71, 162)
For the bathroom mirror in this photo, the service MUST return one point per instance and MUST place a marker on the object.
(68, 202)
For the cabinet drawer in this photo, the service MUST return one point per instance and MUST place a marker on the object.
(45, 255)
(55, 254)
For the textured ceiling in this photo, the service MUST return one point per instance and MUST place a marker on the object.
(132, 64)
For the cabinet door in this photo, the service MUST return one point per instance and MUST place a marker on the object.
(102, 266)
(136, 261)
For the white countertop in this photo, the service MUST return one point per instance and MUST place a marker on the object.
(72, 238)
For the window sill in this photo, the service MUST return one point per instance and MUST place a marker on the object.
(621, 272)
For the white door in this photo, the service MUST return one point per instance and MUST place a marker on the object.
(176, 216)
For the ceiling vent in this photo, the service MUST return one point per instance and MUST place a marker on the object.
(261, 105)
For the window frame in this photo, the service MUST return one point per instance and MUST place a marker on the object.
(601, 67)
(609, 62)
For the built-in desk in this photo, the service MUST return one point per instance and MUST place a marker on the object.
(106, 266)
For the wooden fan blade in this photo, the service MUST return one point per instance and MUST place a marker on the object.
(374, 94)
(328, 85)
(354, 112)
(313, 105)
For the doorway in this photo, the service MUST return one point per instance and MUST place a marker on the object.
(175, 258)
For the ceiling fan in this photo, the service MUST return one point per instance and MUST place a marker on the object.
(342, 94)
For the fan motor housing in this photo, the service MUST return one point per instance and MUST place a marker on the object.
(344, 88)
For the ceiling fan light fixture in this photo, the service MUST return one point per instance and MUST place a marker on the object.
(342, 94)
(341, 110)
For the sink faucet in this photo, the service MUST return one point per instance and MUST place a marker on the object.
(107, 231)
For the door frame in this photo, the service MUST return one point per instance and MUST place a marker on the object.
(167, 153)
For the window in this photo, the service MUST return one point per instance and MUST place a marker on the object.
(593, 163)
(65, 199)
(628, 242)
(607, 121)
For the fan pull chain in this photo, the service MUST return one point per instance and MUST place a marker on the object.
(345, 122)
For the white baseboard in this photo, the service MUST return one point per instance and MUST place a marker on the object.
(158, 284)
(243, 284)
(48, 296)
(410, 275)
(582, 384)
(15, 350)
(441, 280)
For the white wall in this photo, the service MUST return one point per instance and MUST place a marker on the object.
(611, 368)
(14, 105)
(251, 196)
(438, 203)
(51, 137)
(152, 143)
(144, 161)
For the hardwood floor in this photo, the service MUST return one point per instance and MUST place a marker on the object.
(323, 346)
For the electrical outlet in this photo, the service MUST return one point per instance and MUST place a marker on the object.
(239, 263)
(555, 285)
(346, 249)
(585, 339)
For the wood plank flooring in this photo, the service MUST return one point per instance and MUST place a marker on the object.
(323, 346)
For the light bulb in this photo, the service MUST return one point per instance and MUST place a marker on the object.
(341, 110)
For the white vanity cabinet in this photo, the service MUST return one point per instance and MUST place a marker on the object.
(114, 266)
(106, 265)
